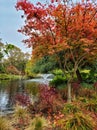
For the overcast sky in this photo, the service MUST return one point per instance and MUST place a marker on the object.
(10, 22)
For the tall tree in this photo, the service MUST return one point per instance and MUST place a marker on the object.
(4, 49)
(62, 27)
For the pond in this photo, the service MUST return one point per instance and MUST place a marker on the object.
(9, 90)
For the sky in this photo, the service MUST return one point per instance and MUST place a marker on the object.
(10, 22)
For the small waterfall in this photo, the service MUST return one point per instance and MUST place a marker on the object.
(47, 78)
(44, 78)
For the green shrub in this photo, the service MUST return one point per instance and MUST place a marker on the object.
(87, 85)
(88, 75)
(58, 80)
(44, 65)
(71, 108)
(58, 72)
(91, 106)
(83, 99)
(78, 121)
(38, 123)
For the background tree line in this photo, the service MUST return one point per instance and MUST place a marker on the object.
(12, 59)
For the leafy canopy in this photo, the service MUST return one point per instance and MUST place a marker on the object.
(61, 26)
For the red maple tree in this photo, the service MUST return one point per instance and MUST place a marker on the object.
(62, 26)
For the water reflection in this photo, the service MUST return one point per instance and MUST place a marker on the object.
(3, 100)
(9, 89)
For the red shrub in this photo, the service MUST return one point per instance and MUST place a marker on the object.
(49, 101)
(22, 99)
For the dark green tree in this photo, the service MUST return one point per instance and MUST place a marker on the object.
(45, 65)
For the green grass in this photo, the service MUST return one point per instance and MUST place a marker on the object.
(9, 76)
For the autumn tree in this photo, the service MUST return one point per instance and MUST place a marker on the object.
(62, 27)
(17, 59)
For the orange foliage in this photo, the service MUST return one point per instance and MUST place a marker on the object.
(12, 70)
(63, 26)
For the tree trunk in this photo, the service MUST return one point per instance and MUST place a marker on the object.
(69, 92)
(79, 77)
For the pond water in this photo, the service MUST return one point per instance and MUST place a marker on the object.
(9, 89)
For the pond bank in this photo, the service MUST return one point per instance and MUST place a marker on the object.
(11, 77)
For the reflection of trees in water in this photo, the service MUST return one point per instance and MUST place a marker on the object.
(3, 99)
(21, 86)
(15, 88)
(11, 90)
(4, 84)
